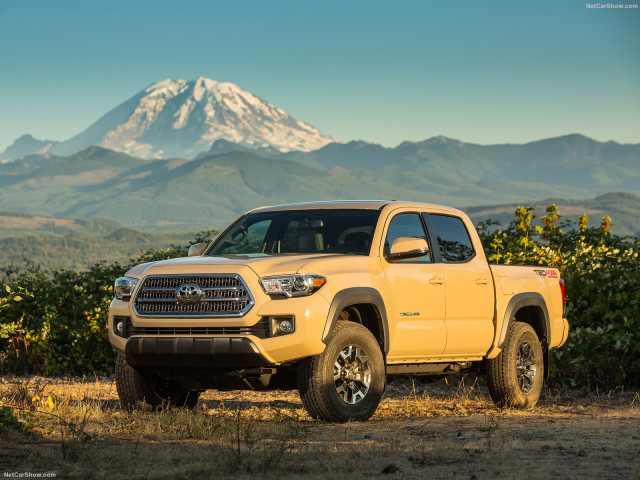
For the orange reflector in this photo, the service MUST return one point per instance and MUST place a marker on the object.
(318, 282)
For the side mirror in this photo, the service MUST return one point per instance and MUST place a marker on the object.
(404, 248)
(197, 248)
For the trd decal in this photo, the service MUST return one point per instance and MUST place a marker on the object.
(547, 273)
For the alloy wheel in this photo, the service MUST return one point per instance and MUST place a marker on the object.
(352, 374)
(525, 367)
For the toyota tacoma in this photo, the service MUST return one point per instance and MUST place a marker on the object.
(332, 299)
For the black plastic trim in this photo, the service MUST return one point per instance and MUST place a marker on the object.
(354, 296)
(125, 326)
(433, 240)
(193, 352)
(270, 323)
(521, 300)
(261, 329)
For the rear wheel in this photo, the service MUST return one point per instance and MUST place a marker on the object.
(137, 390)
(346, 381)
(516, 375)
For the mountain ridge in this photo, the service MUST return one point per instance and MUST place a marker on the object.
(573, 161)
(219, 185)
(26, 145)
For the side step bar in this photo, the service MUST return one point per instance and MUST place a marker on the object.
(426, 368)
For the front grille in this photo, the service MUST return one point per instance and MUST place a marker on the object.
(223, 295)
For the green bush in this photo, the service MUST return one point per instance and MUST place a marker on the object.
(59, 324)
(603, 285)
(602, 274)
(61, 328)
(53, 321)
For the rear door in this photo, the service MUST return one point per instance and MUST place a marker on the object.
(469, 286)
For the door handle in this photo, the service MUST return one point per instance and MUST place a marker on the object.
(436, 281)
(482, 281)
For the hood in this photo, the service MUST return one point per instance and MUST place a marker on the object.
(138, 270)
(263, 266)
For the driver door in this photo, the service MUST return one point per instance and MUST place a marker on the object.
(415, 296)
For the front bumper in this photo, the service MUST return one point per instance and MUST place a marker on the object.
(243, 348)
(225, 352)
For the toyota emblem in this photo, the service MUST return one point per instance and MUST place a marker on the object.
(189, 293)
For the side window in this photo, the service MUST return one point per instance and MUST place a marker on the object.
(453, 238)
(406, 225)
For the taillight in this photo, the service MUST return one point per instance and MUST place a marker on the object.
(564, 296)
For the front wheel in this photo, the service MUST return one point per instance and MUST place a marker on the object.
(347, 380)
(137, 390)
(516, 375)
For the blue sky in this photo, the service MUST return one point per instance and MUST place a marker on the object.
(382, 71)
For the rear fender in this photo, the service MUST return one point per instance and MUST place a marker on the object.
(528, 299)
(521, 300)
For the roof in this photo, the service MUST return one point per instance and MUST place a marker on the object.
(343, 204)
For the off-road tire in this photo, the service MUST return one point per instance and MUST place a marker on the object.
(502, 371)
(316, 382)
(137, 390)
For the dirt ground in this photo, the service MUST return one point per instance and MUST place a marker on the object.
(75, 429)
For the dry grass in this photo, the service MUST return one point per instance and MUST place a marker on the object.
(77, 430)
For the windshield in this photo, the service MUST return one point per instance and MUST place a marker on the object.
(347, 231)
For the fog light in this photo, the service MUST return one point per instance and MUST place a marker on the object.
(282, 325)
(121, 326)
(285, 326)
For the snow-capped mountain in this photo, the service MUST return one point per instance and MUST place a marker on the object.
(178, 118)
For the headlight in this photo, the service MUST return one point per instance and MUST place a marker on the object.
(292, 285)
(124, 287)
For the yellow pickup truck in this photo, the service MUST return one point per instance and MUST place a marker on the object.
(332, 298)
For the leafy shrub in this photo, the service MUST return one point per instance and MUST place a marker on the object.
(59, 326)
(8, 419)
(602, 274)
(54, 321)
(60, 329)
(603, 285)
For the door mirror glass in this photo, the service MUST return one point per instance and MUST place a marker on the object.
(404, 248)
(197, 249)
